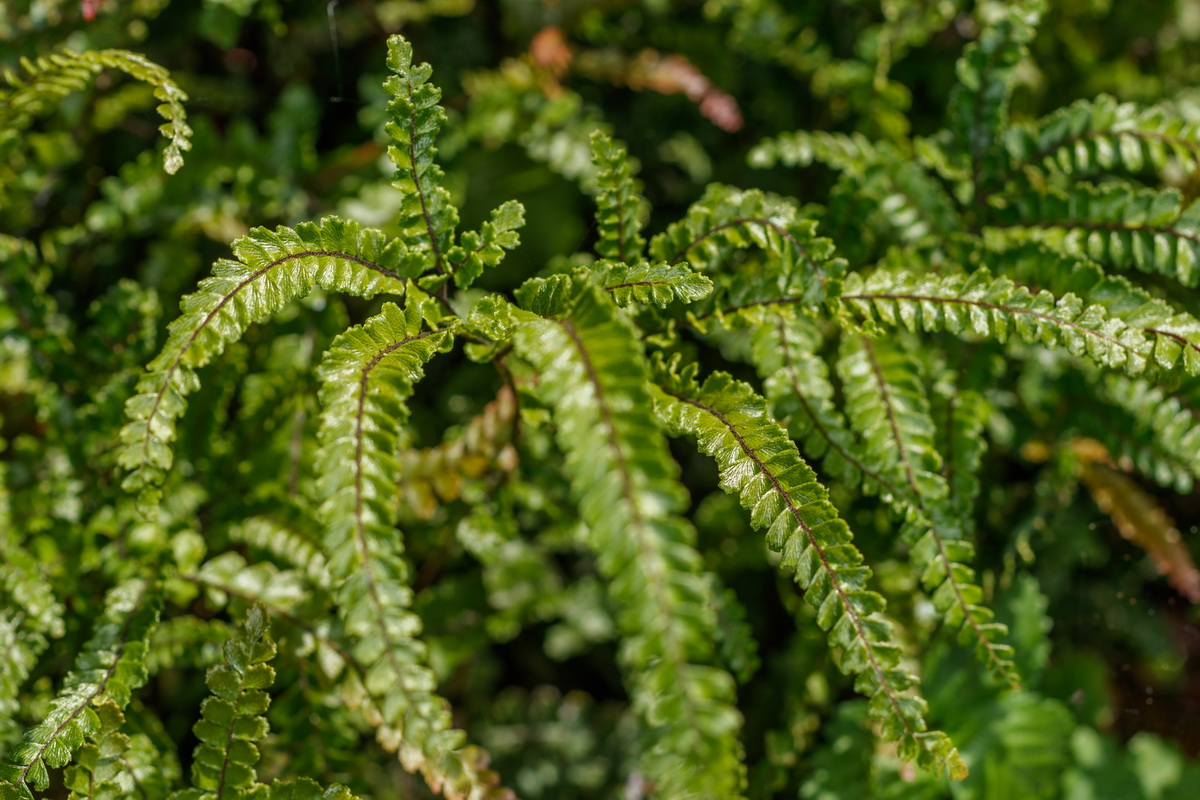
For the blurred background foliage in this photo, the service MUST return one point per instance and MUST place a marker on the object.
(287, 109)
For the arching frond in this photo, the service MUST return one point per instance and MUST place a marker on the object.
(979, 103)
(1114, 224)
(759, 463)
(1100, 135)
(110, 667)
(367, 377)
(980, 305)
(48, 79)
(1176, 334)
(273, 269)
(726, 219)
(886, 402)
(626, 485)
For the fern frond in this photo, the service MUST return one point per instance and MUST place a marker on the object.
(1176, 334)
(49, 79)
(272, 270)
(233, 718)
(621, 211)
(427, 215)
(759, 463)
(726, 219)
(286, 540)
(1159, 434)
(962, 414)
(487, 247)
(1114, 224)
(642, 282)
(979, 103)
(100, 764)
(593, 375)
(905, 199)
(110, 667)
(980, 305)
(886, 402)
(1103, 135)
(785, 351)
(367, 377)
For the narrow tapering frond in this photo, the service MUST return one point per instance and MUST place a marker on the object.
(621, 211)
(108, 670)
(887, 404)
(979, 103)
(1115, 224)
(272, 270)
(233, 718)
(1101, 135)
(979, 305)
(594, 377)
(45, 81)
(760, 464)
(653, 284)
(367, 377)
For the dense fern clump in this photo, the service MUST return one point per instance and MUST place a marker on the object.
(274, 512)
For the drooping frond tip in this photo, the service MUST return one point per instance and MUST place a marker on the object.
(50, 78)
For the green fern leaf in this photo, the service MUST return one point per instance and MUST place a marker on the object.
(785, 351)
(980, 305)
(51, 78)
(886, 402)
(626, 485)
(100, 768)
(110, 667)
(272, 270)
(475, 251)
(905, 199)
(1156, 432)
(726, 219)
(621, 212)
(367, 377)
(979, 103)
(234, 717)
(1114, 224)
(1102, 135)
(642, 282)
(759, 463)
(1175, 334)
(427, 216)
